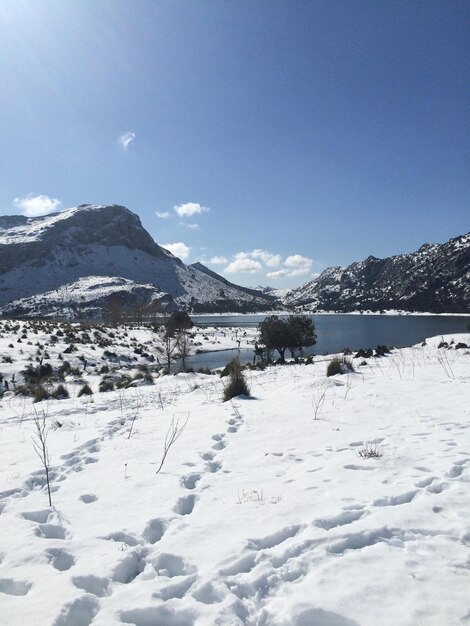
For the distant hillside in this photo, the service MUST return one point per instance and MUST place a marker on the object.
(436, 278)
(42, 258)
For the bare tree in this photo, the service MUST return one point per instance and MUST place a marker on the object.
(170, 346)
(40, 445)
(175, 430)
(184, 346)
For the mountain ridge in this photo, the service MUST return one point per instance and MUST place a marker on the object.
(435, 278)
(39, 255)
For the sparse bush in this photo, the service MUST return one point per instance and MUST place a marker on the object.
(338, 365)
(370, 451)
(334, 366)
(237, 384)
(123, 381)
(60, 392)
(382, 350)
(104, 370)
(85, 391)
(106, 385)
(40, 393)
(36, 375)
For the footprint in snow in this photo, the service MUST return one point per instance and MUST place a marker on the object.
(40, 517)
(51, 531)
(60, 559)
(154, 530)
(88, 498)
(95, 585)
(14, 587)
(190, 480)
(81, 611)
(185, 505)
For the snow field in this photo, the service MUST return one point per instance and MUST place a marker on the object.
(262, 515)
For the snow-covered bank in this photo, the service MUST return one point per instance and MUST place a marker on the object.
(262, 515)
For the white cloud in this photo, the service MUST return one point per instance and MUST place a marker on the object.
(298, 265)
(269, 259)
(218, 260)
(125, 139)
(163, 216)
(190, 208)
(244, 265)
(294, 265)
(190, 226)
(180, 249)
(33, 206)
(278, 274)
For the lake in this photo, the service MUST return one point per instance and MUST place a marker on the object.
(335, 332)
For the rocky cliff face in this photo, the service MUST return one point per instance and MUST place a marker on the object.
(43, 254)
(436, 278)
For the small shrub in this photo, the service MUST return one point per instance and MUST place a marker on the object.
(204, 370)
(123, 381)
(338, 365)
(104, 370)
(36, 375)
(370, 451)
(85, 391)
(335, 366)
(60, 392)
(106, 385)
(40, 393)
(237, 384)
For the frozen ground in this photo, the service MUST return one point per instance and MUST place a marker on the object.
(264, 514)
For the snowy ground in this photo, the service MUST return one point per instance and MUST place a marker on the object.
(264, 514)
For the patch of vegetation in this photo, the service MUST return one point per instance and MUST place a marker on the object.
(85, 391)
(60, 392)
(236, 385)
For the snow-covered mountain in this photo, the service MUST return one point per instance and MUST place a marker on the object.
(436, 278)
(44, 261)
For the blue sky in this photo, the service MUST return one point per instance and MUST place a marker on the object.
(267, 139)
